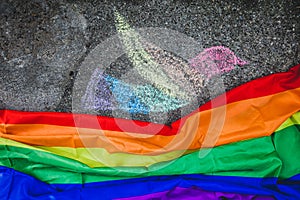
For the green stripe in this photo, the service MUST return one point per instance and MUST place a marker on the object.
(287, 144)
(250, 158)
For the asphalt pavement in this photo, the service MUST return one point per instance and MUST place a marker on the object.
(44, 43)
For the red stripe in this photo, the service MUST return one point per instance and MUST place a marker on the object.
(264, 86)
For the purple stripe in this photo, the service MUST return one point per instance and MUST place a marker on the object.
(195, 193)
(97, 95)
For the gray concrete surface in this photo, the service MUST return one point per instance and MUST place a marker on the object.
(42, 43)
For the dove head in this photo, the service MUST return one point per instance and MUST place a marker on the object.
(216, 60)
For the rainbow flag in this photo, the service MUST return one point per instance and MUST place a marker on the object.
(251, 152)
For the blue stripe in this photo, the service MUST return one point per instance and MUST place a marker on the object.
(16, 185)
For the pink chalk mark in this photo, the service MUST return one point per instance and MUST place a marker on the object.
(215, 60)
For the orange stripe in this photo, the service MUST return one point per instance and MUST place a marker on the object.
(242, 120)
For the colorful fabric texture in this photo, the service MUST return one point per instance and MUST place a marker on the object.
(253, 153)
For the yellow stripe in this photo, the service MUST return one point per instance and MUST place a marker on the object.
(295, 119)
(103, 159)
